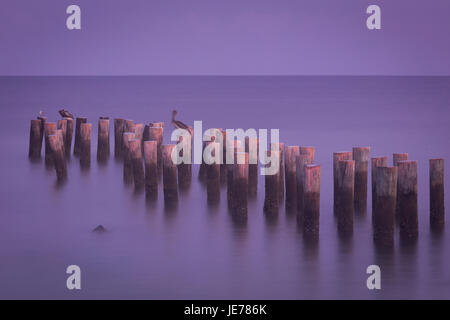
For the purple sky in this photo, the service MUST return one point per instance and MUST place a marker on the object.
(122, 37)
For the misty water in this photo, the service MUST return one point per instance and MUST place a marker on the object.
(197, 251)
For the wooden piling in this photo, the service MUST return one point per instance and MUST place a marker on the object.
(437, 207)
(170, 186)
(69, 134)
(42, 120)
(151, 169)
(34, 149)
(139, 131)
(49, 129)
(62, 125)
(306, 157)
(119, 129)
(376, 162)
(58, 155)
(129, 126)
(185, 169)
(252, 147)
(280, 146)
(237, 146)
(240, 184)
(311, 201)
(213, 177)
(156, 134)
(127, 163)
(223, 166)
(77, 143)
(60, 134)
(291, 153)
(103, 140)
(385, 205)
(271, 187)
(338, 156)
(399, 157)
(136, 162)
(407, 199)
(85, 144)
(361, 155)
(345, 195)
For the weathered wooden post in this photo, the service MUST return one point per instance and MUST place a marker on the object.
(311, 201)
(77, 143)
(34, 150)
(281, 176)
(376, 162)
(240, 184)
(60, 134)
(130, 126)
(385, 205)
(345, 195)
(58, 156)
(202, 169)
(136, 162)
(338, 156)
(127, 163)
(156, 134)
(236, 145)
(170, 186)
(223, 166)
(85, 144)
(252, 147)
(291, 153)
(62, 125)
(306, 157)
(139, 131)
(437, 207)
(103, 140)
(213, 176)
(151, 169)
(271, 187)
(407, 199)
(399, 157)
(119, 129)
(49, 128)
(69, 134)
(361, 155)
(43, 120)
(185, 169)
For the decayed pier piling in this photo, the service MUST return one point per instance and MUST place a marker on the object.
(240, 185)
(185, 169)
(127, 163)
(85, 144)
(437, 207)
(252, 147)
(137, 164)
(338, 156)
(62, 125)
(311, 201)
(156, 134)
(385, 205)
(291, 153)
(34, 150)
(345, 191)
(271, 187)
(60, 134)
(103, 147)
(376, 162)
(49, 129)
(77, 143)
(170, 185)
(407, 199)
(399, 157)
(58, 156)
(151, 169)
(306, 157)
(213, 176)
(361, 155)
(119, 129)
(69, 135)
(236, 145)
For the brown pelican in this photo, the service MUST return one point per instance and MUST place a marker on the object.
(180, 125)
(65, 114)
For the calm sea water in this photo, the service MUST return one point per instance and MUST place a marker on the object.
(198, 252)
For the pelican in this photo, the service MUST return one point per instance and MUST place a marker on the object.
(180, 125)
(65, 114)
(41, 114)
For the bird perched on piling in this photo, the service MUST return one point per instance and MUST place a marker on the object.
(65, 114)
(180, 125)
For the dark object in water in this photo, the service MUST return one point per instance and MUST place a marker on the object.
(65, 114)
(99, 229)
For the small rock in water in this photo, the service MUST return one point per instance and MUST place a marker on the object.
(99, 229)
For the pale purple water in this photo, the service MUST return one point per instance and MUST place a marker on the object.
(198, 252)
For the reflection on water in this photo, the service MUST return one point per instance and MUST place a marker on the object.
(192, 249)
